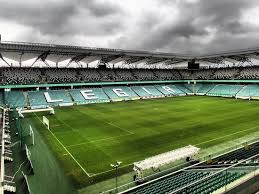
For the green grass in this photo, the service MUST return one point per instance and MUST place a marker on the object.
(99, 134)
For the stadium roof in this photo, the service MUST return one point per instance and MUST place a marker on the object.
(22, 51)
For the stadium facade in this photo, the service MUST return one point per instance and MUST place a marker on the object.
(37, 77)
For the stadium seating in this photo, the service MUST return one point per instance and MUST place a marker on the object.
(2, 98)
(71, 75)
(176, 181)
(203, 74)
(167, 74)
(15, 99)
(146, 91)
(99, 96)
(226, 73)
(61, 75)
(248, 91)
(21, 75)
(225, 90)
(183, 88)
(107, 75)
(120, 93)
(88, 75)
(59, 94)
(144, 74)
(37, 100)
(124, 74)
(249, 73)
(238, 155)
(205, 88)
(193, 87)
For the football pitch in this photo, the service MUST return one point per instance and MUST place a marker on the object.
(88, 138)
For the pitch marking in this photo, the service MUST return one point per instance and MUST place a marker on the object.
(227, 135)
(114, 137)
(109, 123)
(65, 148)
(131, 163)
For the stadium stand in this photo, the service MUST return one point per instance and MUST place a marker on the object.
(124, 74)
(225, 73)
(61, 75)
(107, 74)
(95, 95)
(205, 88)
(2, 103)
(238, 155)
(248, 91)
(15, 99)
(193, 87)
(147, 91)
(144, 74)
(120, 93)
(8, 183)
(21, 75)
(249, 73)
(89, 75)
(225, 90)
(37, 100)
(72, 75)
(172, 183)
(184, 89)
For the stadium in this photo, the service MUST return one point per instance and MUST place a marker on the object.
(94, 120)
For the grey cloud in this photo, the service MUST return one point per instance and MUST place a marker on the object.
(154, 29)
(63, 17)
(195, 18)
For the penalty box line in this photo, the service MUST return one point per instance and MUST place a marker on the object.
(65, 149)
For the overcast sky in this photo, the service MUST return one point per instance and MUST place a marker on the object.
(180, 26)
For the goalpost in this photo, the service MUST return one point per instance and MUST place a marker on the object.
(45, 121)
(32, 135)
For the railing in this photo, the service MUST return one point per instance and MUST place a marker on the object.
(178, 168)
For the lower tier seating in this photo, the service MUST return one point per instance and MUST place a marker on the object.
(14, 99)
(177, 181)
(225, 90)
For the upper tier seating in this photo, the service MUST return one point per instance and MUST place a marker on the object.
(166, 74)
(124, 74)
(107, 75)
(144, 74)
(61, 75)
(186, 74)
(89, 75)
(225, 73)
(249, 73)
(21, 75)
(71, 75)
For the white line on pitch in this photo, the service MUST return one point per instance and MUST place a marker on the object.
(65, 149)
(227, 135)
(114, 137)
(109, 170)
(109, 123)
